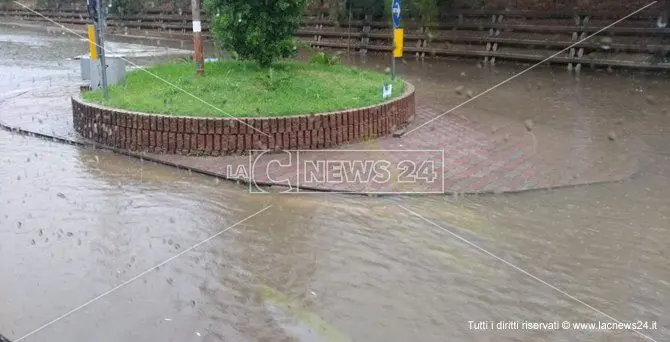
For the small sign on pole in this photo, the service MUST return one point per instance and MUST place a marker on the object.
(398, 42)
(395, 9)
(92, 43)
(387, 91)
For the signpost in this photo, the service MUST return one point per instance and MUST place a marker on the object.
(100, 23)
(398, 35)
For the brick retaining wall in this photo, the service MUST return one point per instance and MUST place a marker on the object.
(221, 136)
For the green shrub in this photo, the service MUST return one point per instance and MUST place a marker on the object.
(259, 30)
(323, 58)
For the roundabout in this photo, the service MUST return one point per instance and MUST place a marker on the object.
(300, 106)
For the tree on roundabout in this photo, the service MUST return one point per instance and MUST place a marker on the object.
(258, 30)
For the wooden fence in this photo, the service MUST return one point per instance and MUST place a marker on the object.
(491, 36)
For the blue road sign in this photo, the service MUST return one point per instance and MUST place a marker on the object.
(396, 13)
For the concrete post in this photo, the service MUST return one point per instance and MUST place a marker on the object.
(197, 39)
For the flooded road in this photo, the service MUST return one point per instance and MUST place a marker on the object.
(75, 223)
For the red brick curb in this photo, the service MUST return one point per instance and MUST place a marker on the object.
(224, 136)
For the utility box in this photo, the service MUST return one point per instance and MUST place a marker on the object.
(116, 72)
(85, 65)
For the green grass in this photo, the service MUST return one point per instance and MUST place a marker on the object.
(242, 89)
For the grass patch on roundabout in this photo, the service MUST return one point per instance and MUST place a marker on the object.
(242, 89)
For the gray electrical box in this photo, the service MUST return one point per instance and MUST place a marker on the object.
(116, 71)
(85, 64)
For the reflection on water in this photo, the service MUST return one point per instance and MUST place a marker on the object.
(76, 222)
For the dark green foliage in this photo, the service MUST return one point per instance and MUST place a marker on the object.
(125, 8)
(259, 30)
(323, 58)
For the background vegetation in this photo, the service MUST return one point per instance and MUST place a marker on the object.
(375, 8)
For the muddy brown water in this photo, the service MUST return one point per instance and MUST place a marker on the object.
(76, 222)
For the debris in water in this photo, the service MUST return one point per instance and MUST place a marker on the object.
(463, 74)
(611, 136)
(167, 319)
(170, 281)
(33, 242)
(197, 333)
(459, 90)
(69, 234)
(61, 195)
(529, 124)
(469, 93)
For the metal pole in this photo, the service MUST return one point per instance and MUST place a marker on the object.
(393, 54)
(349, 34)
(101, 44)
(197, 38)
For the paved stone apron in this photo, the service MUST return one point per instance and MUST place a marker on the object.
(493, 155)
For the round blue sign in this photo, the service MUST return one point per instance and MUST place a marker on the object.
(395, 9)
